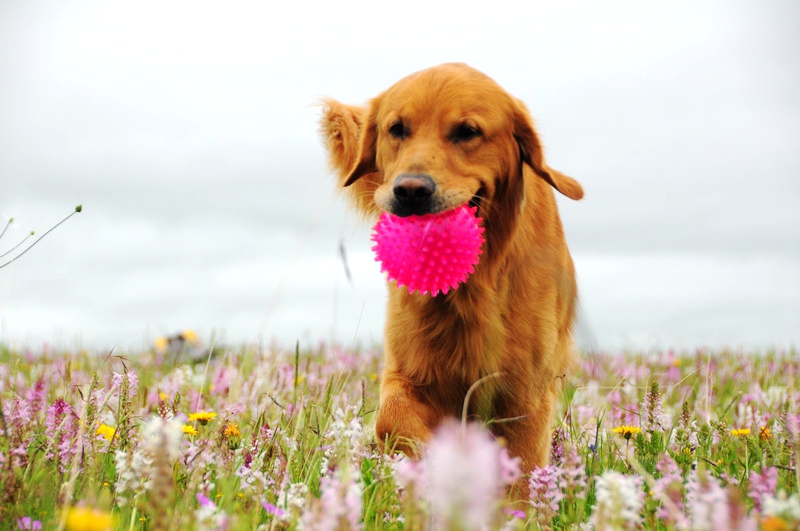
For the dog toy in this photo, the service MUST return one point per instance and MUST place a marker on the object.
(433, 253)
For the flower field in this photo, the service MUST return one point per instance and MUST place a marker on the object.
(267, 438)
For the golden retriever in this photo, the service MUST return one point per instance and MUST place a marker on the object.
(438, 139)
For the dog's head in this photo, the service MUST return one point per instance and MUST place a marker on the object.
(438, 139)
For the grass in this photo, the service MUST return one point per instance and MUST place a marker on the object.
(661, 440)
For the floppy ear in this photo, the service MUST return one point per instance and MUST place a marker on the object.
(341, 127)
(364, 162)
(531, 151)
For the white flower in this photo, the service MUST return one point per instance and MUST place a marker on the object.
(619, 502)
(783, 507)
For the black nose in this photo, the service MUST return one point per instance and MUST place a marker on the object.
(413, 193)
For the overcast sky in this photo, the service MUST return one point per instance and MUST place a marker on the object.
(188, 132)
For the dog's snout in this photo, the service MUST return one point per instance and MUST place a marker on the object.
(413, 192)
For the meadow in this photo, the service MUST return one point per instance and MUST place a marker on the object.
(275, 438)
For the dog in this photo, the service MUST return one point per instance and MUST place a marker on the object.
(499, 346)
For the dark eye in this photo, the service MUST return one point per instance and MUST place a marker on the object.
(464, 133)
(398, 130)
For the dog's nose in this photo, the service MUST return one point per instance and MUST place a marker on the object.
(414, 190)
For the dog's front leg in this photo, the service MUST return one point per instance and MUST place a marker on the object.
(405, 418)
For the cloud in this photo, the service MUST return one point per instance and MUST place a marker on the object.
(188, 132)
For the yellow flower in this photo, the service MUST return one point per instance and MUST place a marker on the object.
(231, 430)
(161, 344)
(188, 429)
(106, 431)
(765, 433)
(740, 432)
(203, 417)
(162, 396)
(627, 431)
(88, 519)
(774, 523)
(190, 336)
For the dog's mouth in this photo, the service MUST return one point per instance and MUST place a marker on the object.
(477, 199)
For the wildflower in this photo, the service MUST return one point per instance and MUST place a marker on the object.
(231, 430)
(203, 417)
(27, 523)
(668, 489)
(763, 485)
(775, 523)
(572, 480)
(340, 504)
(782, 508)
(208, 515)
(652, 412)
(709, 506)
(231, 434)
(88, 519)
(764, 433)
(148, 467)
(464, 476)
(545, 493)
(106, 431)
(61, 427)
(274, 510)
(627, 431)
(619, 502)
(740, 432)
(188, 429)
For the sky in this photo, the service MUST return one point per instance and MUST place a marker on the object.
(188, 132)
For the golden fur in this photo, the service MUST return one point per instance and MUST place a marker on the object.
(512, 320)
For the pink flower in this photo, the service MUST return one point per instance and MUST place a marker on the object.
(61, 427)
(669, 490)
(545, 493)
(27, 523)
(763, 485)
(465, 476)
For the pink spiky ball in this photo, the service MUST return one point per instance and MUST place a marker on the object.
(433, 253)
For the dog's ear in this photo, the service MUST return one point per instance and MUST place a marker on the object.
(342, 127)
(364, 162)
(531, 152)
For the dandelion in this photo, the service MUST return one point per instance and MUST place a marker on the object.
(627, 431)
(740, 432)
(106, 431)
(88, 519)
(619, 502)
(231, 430)
(232, 435)
(188, 429)
(203, 417)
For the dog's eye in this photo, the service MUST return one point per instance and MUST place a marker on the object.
(464, 133)
(398, 130)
